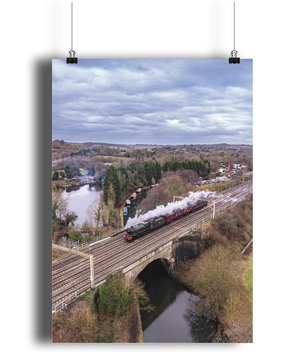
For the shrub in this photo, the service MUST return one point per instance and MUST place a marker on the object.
(110, 337)
(113, 297)
(215, 237)
(86, 227)
(75, 235)
(189, 188)
(112, 214)
(137, 291)
(88, 238)
(78, 324)
(217, 275)
(231, 226)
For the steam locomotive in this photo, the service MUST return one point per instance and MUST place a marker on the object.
(142, 229)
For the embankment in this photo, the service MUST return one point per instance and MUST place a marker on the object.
(81, 323)
(222, 274)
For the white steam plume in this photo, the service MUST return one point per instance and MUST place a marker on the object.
(170, 208)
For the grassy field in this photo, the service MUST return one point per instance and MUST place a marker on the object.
(121, 216)
(248, 278)
(209, 185)
(83, 172)
(115, 158)
(59, 171)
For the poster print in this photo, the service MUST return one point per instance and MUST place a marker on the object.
(152, 200)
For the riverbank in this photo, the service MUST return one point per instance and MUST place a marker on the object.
(74, 184)
(119, 208)
(80, 322)
(235, 315)
(223, 275)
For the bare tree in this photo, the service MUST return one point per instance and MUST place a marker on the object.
(173, 186)
(59, 202)
(99, 166)
(95, 212)
(155, 197)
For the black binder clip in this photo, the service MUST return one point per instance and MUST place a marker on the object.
(72, 59)
(234, 59)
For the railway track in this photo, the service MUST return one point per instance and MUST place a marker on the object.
(72, 273)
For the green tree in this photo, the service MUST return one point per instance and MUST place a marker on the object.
(112, 178)
(54, 208)
(206, 167)
(68, 171)
(194, 165)
(177, 165)
(167, 166)
(157, 171)
(148, 173)
(55, 176)
(187, 165)
(70, 218)
(75, 235)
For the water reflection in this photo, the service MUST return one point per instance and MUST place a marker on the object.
(178, 316)
(134, 203)
(201, 319)
(80, 199)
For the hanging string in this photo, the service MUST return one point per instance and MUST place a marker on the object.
(71, 25)
(234, 26)
(233, 55)
(72, 59)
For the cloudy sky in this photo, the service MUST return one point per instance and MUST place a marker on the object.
(139, 101)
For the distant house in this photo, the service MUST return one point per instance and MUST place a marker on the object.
(222, 168)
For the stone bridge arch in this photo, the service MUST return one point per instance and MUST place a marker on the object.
(132, 271)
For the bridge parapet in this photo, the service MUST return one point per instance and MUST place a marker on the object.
(132, 271)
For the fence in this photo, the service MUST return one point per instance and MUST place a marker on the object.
(63, 304)
(73, 244)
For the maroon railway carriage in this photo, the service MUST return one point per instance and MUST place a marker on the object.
(199, 206)
(148, 226)
(177, 214)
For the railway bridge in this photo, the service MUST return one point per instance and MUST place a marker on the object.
(170, 254)
(164, 252)
(71, 276)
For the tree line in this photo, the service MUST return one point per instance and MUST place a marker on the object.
(127, 178)
(202, 167)
(82, 152)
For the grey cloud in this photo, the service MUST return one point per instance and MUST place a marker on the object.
(140, 101)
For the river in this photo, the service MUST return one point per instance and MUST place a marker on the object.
(80, 199)
(134, 203)
(174, 318)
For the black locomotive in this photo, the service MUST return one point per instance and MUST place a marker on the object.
(141, 229)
